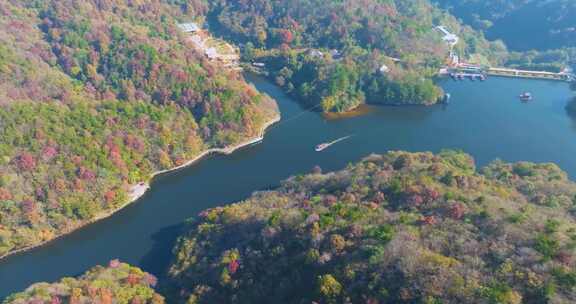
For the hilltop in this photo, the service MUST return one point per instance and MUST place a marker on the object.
(117, 283)
(394, 228)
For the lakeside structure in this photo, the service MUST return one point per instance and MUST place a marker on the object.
(458, 69)
(214, 49)
(505, 72)
(467, 70)
(450, 38)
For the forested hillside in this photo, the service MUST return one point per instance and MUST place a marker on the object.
(94, 97)
(523, 24)
(333, 53)
(393, 228)
(118, 283)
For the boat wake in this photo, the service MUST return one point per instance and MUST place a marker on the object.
(323, 146)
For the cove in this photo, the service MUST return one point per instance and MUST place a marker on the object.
(485, 119)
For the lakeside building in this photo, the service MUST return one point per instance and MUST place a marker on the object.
(449, 38)
(189, 27)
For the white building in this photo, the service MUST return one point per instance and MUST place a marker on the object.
(315, 53)
(449, 38)
(211, 53)
(384, 69)
(189, 27)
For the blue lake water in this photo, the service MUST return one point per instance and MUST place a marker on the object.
(485, 119)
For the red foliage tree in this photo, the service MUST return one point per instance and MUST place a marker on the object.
(134, 143)
(431, 195)
(372, 301)
(26, 161)
(457, 211)
(5, 195)
(78, 185)
(564, 257)
(429, 220)
(55, 300)
(330, 200)
(136, 300)
(379, 197)
(115, 263)
(151, 280)
(40, 194)
(85, 173)
(106, 296)
(48, 153)
(110, 196)
(92, 292)
(415, 200)
(77, 159)
(233, 266)
(59, 185)
(132, 279)
(286, 36)
(28, 206)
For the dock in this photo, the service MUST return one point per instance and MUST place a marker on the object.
(505, 72)
(471, 71)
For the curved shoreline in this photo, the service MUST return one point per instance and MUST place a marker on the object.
(138, 190)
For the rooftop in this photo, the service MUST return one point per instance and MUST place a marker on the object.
(189, 27)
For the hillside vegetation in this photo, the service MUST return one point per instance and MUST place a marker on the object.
(394, 228)
(94, 97)
(118, 283)
(331, 53)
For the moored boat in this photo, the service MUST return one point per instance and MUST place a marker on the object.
(526, 96)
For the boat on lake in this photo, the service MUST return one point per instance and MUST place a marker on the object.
(446, 99)
(526, 96)
(323, 146)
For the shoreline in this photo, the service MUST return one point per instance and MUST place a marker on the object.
(137, 191)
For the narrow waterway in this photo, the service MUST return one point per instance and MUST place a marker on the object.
(485, 119)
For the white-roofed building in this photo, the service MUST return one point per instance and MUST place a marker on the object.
(384, 69)
(449, 38)
(190, 27)
(211, 53)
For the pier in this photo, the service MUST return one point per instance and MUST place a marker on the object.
(505, 72)
(471, 71)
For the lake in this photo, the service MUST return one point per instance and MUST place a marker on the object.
(485, 119)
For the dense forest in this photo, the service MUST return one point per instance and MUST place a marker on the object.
(393, 228)
(523, 24)
(338, 54)
(94, 97)
(117, 283)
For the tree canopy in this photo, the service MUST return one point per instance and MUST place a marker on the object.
(97, 95)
